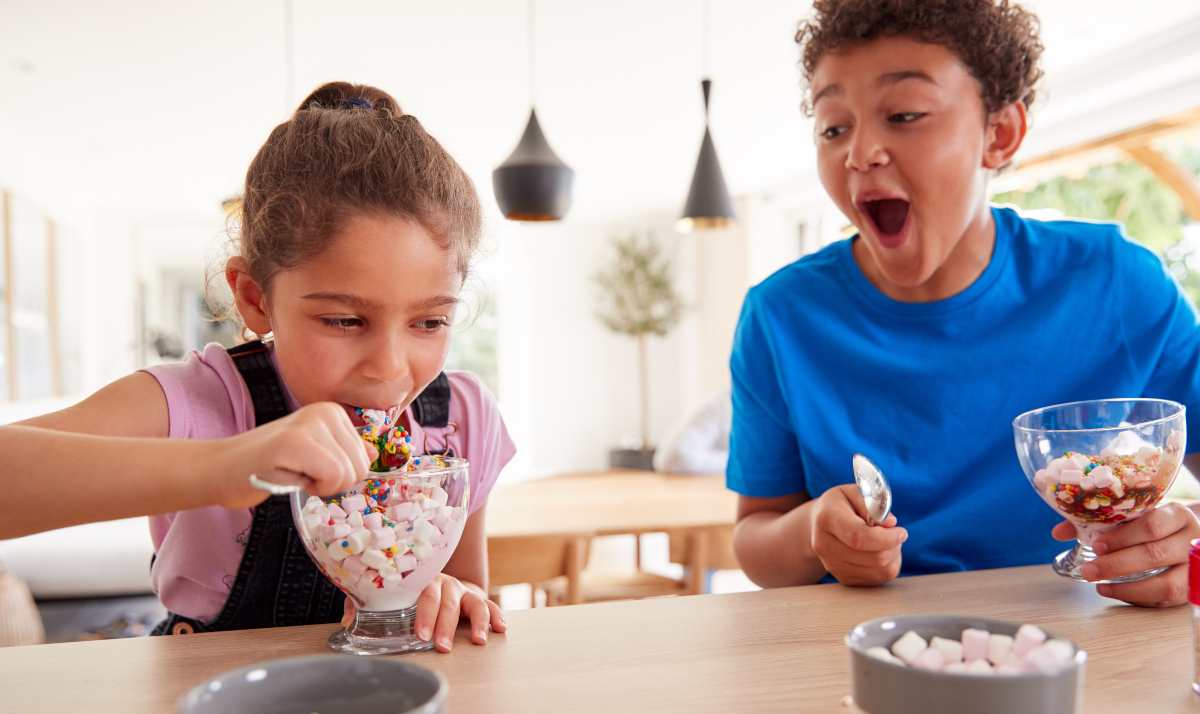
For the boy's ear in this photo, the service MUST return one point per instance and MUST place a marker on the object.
(1006, 129)
(248, 296)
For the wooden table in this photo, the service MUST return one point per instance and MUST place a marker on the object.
(771, 651)
(610, 503)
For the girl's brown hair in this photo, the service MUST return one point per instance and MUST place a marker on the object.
(349, 149)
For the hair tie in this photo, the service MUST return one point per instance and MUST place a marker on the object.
(359, 103)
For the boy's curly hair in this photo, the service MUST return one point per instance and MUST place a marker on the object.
(996, 39)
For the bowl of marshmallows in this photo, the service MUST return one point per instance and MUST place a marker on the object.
(949, 663)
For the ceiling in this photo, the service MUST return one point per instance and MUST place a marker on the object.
(154, 110)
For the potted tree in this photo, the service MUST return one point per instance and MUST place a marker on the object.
(638, 299)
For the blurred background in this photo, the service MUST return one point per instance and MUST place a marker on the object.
(125, 127)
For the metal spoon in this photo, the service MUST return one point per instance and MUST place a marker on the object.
(275, 489)
(876, 493)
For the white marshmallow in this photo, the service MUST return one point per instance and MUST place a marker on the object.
(907, 647)
(422, 550)
(1010, 669)
(955, 668)
(392, 580)
(1087, 483)
(341, 530)
(355, 502)
(999, 648)
(1041, 660)
(355, 519)
(975, 644)
(1081, 462)
(1070, 476)
(313, 522)
(373, 558)
(336, 551)
(383, 537)
(405, 563)
(881, 653)
(405, 511)
(1062, 650)
(439, 496)
(929, 659)
(951, 650)
(979, 666)
(336, 512)
(1028, 638)
(373, 521)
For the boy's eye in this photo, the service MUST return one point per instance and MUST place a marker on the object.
(432, 324)
(833, 132)
(342, 323)
(905, 117)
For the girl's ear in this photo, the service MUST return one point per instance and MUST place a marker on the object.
(248, 296)
(1006, 129)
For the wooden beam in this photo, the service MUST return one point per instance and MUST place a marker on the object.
(1179, 179)
(53, 319)
(10, 332)
(1137, 136)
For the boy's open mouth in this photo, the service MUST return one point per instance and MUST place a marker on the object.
(888, 215)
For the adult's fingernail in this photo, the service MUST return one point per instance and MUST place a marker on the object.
(444, 642)
(423, 633)
(482, 635)
(1089, 572)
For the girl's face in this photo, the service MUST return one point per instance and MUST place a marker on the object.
(903, 144)
(367, 322)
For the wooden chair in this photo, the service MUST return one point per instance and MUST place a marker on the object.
(553, 561)
(699, 551)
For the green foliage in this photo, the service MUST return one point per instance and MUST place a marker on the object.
(1127, 192)
(637, 288)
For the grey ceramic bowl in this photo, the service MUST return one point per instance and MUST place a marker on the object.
(880, 687)
(319, 685)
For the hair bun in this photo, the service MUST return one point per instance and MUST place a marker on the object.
(347, 96)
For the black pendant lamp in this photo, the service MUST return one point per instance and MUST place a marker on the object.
(533, 184)
(708, 204)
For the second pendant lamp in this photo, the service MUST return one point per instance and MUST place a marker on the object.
(533, 184)
(708, 205)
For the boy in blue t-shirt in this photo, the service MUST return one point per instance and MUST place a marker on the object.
(917, 341)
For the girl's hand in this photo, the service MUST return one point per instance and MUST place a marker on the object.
(852, 551)
(1159, 539)
(315, 446)
(442, 604)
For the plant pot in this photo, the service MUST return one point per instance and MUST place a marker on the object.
(642, 459)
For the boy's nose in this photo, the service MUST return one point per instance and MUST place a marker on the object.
(865, 152)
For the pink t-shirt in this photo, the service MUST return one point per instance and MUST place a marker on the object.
(198, 551)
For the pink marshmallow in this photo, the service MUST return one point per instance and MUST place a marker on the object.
(354, 565)
(1028, 638)
(336, 512)
(373, 521)
(357, 502)
(975, 644)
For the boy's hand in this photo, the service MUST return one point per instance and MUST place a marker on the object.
(852, 551)
(1159, 539)
(442, 604)
(316, 446)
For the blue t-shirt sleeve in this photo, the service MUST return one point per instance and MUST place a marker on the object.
(1161, 331)
(764, 456)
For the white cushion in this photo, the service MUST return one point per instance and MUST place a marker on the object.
(96, 559)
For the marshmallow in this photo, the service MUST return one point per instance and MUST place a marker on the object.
(355, 519)
(1087, 483)
(341, 530)
(881, 653)
(405, 511)
(1028, 638)
(999, 647)
(907, 647)
(336, 512)
(1081, 462)
(1010, 669)
(422, 550)
(975, 644)
(929, 659)
(374, 558)
(439, 496)
(979, 666)
(1062, 650)
(355, 502)
(1070, 476)
(336, 550)
(1041, 660)
(373, 521)
(1145, 455)
(951, 651)
(313, 521)
(955, 668)
(405, 563)
(383, 538)
(354, 565)
(392, 580)
(426, 532)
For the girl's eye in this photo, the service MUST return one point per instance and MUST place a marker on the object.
(905, 117)
(432, 324)
(342, 323)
